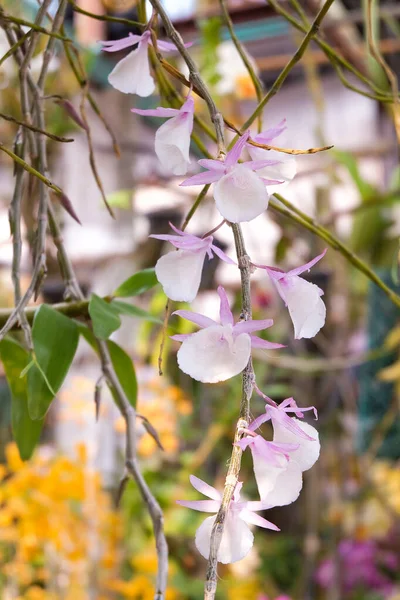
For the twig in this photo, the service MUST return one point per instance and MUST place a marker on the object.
(308, 222)
(107, 18)
(34, 26)
(374, 49)
(329, 51)
(195, 78)
(258, 87)
(52, 136)
(292, 62)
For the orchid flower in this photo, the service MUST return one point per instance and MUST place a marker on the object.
(291, 430)
(239, 193)
(219, 350)
(278, 476)
(131, 75)
(179, 272)
(237, 539)
(302, 298)
(172, 141)
(284, 168)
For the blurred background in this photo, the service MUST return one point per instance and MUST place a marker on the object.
(61, 535)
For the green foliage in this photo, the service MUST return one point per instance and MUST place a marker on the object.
(211, 38)
(26, 431)
(121, 362)
(137, 284)
(124, 308)
(104, 316)
(55, 340)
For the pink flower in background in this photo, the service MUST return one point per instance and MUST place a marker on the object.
(172, 141)
(237, 539)
(263, 597)
(284, 168)
(179, 272)
(131, 75)
(302, 298)
(239, 193)
(219, 350)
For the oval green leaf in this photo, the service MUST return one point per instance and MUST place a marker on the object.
(55, 340)
(25, 430)
(104, 317)
(139, 283)
(124, 308)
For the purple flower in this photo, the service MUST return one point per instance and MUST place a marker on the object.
(131, 75)
(302, 298)
(239, 193)
(172, 141)
(219, 350)
(179, 272)
(237, 539)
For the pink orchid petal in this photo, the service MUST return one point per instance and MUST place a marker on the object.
(169, 46)
(237, 539)
(188, 105)
(240, 195)
(254, 519)
(225, 313)
(233, 155)
(257, 342)
(172, 143)
(210, 506)
(200, 320)
(253, 325)
(271, 181)
(204, 488)
(308, 449)
(131, 75)
(211, 164)
(244, 442)
(179, 273)
(222, 255)
(308, 265)
(156, 112)
(203, 178)
(256, 165)
(306, 308)
(259, 421)
(117, 45)
(265, 137)
(180, 337)
(279, 418)
(178, 231)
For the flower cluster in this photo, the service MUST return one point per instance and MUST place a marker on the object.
(221, 350)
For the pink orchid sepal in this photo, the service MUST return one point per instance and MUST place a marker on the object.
(172, 139)
(237, 539)
(219, 351)
(131, 75)
(291, 430)
(239, 193)
(302, 298)
(284, 169)
(179, 272)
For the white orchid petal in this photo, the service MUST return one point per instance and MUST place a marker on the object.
(287, 486)
(172, 143)
(213, 355)
(308, 451)
(306, 308)
(240, 195)
(284, 171)
(237, 539)
(179, 272)
(131, 75)
(266, 474)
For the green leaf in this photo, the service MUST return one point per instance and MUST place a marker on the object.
(124, 308)
(137, 284)
(26, 432)
(121, 362)
(367, 191)
(55, 340)
(104, 317)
